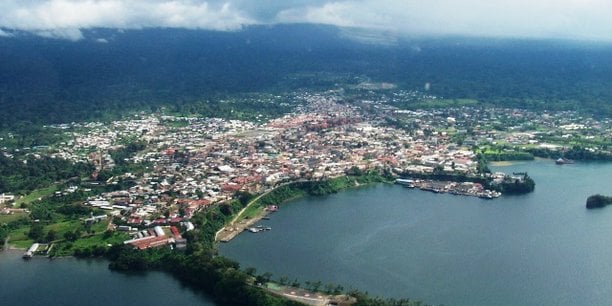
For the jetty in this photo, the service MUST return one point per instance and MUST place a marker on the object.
(30, 252)
(230, 232)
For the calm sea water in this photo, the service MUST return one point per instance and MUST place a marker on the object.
(543, 248)
(69, 281)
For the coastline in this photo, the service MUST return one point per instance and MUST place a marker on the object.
(238, 225)
(9, 247)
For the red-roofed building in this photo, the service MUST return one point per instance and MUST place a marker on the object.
(175, 232)
(176, 220)
(231, 187)
(134, 220)
(160, 221)
(149, 242)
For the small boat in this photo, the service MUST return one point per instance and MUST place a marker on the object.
(259, 228)
(563, 161)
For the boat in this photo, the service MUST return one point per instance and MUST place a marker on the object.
(563, 161)
(271, 208)
(404, 182)
(259, 228)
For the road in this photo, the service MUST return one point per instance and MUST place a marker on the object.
(232, 230)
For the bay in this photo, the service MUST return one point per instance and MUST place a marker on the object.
(543, 248)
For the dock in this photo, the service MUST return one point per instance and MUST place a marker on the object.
(231, 231)
(454, 188)
(30, 252)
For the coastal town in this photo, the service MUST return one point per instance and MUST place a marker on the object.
(182, 165)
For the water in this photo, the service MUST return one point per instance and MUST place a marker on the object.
(542, 248)
(69, 281)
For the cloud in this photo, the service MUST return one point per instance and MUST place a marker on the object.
(65, 18)
(575, 19)
(5, 34)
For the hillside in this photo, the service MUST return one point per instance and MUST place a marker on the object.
(48, 80)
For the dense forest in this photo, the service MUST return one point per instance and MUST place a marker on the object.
(27, 174)
(46, 80)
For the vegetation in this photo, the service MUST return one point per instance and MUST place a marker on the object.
(199, 266)
(22, 175)
(123, 164)
(354, 177)
(576, 152)
(598, 201)
(499, 154)
(363, 299)
(517, 184)
(9, 226)
(134, 74)
(55, 218)
(24, 135)
(37, 194)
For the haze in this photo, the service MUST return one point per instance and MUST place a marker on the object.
(565, 19)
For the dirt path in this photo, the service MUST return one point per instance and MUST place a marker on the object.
(234, 228)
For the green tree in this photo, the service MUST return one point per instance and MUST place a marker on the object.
(36, 232)
(51, 235)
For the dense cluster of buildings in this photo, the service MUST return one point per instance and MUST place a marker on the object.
(192, 163)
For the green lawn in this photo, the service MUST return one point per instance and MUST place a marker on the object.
(21, 244)
(251, 211)
(98, 239)
(36, 194)
(19, 237)
(63, 227)
(65, 248)
(13, 217)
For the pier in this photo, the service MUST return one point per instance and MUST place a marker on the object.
(30, 252)
(231, 231)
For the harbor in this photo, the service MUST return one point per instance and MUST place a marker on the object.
(230, 232)
(455, 188)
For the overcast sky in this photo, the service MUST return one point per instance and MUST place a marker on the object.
(573, 19)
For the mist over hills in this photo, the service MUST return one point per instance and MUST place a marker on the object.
(46, 80)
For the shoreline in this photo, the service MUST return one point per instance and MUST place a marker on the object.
(231, 231)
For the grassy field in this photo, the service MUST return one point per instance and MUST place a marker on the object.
(62, 227)
(13, 217)
(98, 239)
(19, 237)
(36, 194)
(252, 211)
(65, 248)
